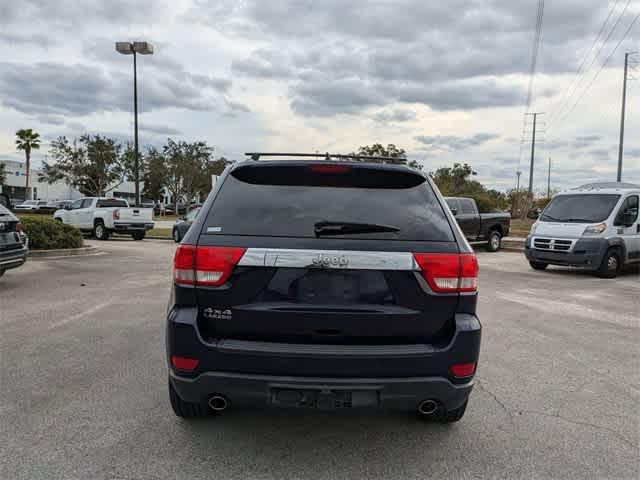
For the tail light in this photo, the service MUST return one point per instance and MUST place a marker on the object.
(330, 169)
(463, 370)
(19, 227)
(184, 363)
(449, 272)
(206, 266)
(116, 214)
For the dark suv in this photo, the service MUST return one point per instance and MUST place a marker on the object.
(323, 284)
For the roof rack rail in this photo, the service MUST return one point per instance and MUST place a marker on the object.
(330, 156)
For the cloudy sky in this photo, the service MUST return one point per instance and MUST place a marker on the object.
(447, 81)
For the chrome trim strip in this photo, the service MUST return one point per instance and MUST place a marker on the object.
(330, 259)
(552, 244)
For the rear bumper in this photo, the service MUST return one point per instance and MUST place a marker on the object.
(379, 376)
(13, 258)
(132, 227)
(246, 390)
(586, 253)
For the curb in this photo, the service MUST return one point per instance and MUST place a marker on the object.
(154, 237)
(513, 244)
(63, 252)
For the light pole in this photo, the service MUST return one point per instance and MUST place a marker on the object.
(133, 48)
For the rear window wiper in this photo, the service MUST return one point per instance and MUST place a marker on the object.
(347, 228)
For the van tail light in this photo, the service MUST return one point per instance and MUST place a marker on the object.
(116, 214)
(205, 266)
(449, 272)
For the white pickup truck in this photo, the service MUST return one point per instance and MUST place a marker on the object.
(104, 216)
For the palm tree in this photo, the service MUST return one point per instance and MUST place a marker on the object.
(27, 140)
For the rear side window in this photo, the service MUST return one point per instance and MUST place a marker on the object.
(111, 202)
(290, 201)
(466, 206)
(453, 203)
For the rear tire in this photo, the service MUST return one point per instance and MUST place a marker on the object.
(538, 265)
(184, 409)
(176, 235)
(100, 231)
(495, 241)
(138, 235)
(610, 265)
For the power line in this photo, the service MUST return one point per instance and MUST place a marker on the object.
(532, 71)
(604, 64)
(584, 60)
(595, 58)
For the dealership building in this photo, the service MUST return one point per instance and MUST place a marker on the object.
(14, 186)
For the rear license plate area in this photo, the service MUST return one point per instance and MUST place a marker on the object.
(319, 286)
(323, 399)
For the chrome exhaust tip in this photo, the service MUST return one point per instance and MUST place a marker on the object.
(218, 403)
(427, 407)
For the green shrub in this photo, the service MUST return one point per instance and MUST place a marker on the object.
(48, 234)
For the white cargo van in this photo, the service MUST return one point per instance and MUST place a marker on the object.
(594, 226)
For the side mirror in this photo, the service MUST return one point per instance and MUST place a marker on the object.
(454, 211)
(629, 217)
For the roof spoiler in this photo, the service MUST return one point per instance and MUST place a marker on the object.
(330, 156)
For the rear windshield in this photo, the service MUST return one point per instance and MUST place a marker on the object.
(111, 202)
(293, 201)
(579, 208)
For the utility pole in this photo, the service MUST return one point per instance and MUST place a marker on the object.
(549, 181)
(533, 152)
(518, 173)
(622, 112)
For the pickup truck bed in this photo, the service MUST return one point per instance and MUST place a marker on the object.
(487, 228)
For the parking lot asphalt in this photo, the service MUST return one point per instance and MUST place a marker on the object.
(83, 385)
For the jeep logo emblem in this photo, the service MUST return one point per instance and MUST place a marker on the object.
(327, 261)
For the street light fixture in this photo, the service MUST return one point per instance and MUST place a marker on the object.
(133, 48)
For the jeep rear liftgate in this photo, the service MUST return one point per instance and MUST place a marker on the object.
(323, 285)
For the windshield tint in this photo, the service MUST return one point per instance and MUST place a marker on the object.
(585, 208)
(265, 209)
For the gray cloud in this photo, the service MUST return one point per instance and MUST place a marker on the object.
(56, 89)
(160, 129)
(455, 143)
(402, 51)
(396, 115)
(50, 119)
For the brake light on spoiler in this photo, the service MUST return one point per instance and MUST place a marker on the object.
(205, 266)
(449, 272)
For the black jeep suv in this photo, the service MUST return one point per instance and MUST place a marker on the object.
(335, 283)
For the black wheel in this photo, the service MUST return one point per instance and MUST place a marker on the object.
(495, 241)
(138, 235)
(100, 231)
(59, 220)
(610, 265)
(176, 235)
(186, 409)
(538, 265)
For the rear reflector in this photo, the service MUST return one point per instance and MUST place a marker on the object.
(449, 272)
(184, 363)
(463, 370)
(205, 266)
(330, 168)
(116, 214)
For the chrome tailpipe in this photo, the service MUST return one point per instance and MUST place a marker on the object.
(218, 403)
(427, 407)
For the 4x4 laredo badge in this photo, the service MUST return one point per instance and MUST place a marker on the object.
(216, 314)
(337, 261)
